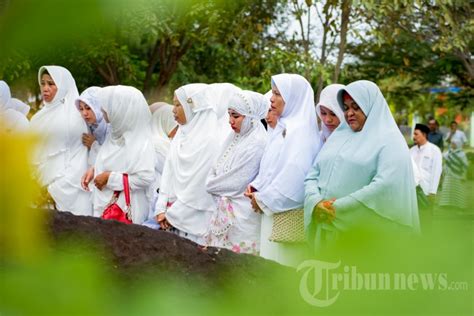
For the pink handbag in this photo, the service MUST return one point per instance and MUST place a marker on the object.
(113, 211)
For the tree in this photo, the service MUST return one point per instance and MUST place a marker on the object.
(446, 26)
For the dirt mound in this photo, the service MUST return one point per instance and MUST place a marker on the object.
(136, 250)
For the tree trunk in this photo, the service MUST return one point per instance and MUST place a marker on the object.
(108, 72)
(467, 63)
(322, 60)
(152, 62)
(168, 58)
(345, 16)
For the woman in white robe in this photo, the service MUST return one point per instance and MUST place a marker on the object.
(289, 154)
(88, 105)
(363, 177)
(12, 111)
(128, 148)
(183, 202)
(61, 158)
(329, 111)
(234, 224)
(163, 128)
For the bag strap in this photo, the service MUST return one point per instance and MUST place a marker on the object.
(126, 189)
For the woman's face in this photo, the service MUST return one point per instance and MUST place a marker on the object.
(235, 120)
(271, 118)
(277, 102)
(178, 112)
(354, 115)
(87, 114)
(329, 118)
(48, 88)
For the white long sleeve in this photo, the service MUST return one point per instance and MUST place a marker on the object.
(436, 169)
(139, 180)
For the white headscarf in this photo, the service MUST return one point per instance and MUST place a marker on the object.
(196, 145)
(62, 126)
(292, 146)
(161, 125)
(90, 96)
(129, 148)
(328, 99)
(373, 166)
(250, 104)
(240, 148)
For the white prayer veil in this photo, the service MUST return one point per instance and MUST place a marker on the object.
(128, 148)
(62, 127)
(161, 125)
(390, 189)
(197, 143)
(328, 99)
(90, 96)
(240, 149)
(292, 146)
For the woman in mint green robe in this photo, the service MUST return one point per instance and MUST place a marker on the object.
(363, 174)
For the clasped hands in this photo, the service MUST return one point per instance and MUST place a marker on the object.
(162, 221)
(100, 181)
(325, 211)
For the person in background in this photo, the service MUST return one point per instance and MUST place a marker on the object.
(329, 111)
(12, 111)
(456, 135)
(271, 119)
(428, 159)
(454, 192)
(435, 136)
(163, 129)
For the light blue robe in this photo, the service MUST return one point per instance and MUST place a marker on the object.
(369, 173)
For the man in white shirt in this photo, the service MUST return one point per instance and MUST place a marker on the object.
(455, 134)
(428, 159)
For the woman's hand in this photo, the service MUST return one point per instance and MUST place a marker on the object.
(253, 201)
(324, 211)
(87, 178)
(101, 180)
(161, 219)
(250, 193)
(88, 140)
(250, 189)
